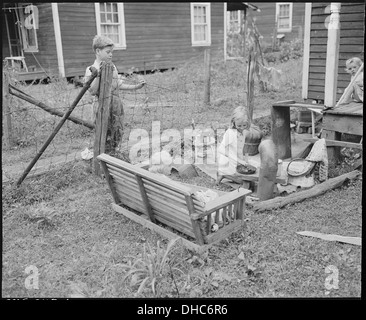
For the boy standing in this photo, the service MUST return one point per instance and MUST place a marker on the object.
(103, 48)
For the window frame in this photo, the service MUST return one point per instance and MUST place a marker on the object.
(229, 20)
(278, 5)
(207, 42)
(23, 30)
(121, 45)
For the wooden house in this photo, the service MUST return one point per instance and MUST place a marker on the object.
(282, 20)
(56, 38)
(351, 44)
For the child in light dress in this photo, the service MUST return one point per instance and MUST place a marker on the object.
(230, 150)
(356, 94)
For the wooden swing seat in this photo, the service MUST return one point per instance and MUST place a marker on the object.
(157, 202)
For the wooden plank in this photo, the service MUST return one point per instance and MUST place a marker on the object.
(343, 123)
(344, 17)
(102, 116)
(333, 143)
(110, 183)
(159, 201)
(227, 199)
(7, 127)
(154, 227)
(195, 223)
(145, 198)
(317, 190)
(343, 41)
(343, 49)
(352, 108)
(317, 89)
(145, 174)
(162, 214)
(151, 187)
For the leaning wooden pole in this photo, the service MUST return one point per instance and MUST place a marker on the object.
(26, 97)
(315, 191)
(102, 116)
(64, 118)
(6, 110)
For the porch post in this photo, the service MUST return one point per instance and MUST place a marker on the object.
(331, 69)
(57, 29)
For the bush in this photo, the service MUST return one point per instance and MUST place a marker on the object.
(288, 50)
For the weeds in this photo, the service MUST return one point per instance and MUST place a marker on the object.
(149, 270)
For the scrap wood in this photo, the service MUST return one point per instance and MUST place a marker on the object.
(332, 237)
(317, 190)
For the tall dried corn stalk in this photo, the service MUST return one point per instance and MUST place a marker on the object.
(255, 59)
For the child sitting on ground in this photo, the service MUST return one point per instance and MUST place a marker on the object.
(356, 94)
(103, 48)
(230, 151)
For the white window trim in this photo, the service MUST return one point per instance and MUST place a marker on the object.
(239, 19)
(121, 16)
(278, 4)
(208, 11)
(23, 32)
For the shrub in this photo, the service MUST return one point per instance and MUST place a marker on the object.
(288, 50)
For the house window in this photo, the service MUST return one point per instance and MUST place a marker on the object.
(233, 21)
(201, 24)
(284, 16)
(28, 25)
(111, 22)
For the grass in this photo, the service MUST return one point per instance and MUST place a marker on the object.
(62, 222)
(79, 245)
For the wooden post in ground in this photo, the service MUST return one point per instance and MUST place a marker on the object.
(207, 62)
(281, 134)
(102, 117)
(7, 136)
(268, 169)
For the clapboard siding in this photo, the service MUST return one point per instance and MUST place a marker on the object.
(266, 20)
(78, 28)
(46, 57)
(158, 35)
(352, 20)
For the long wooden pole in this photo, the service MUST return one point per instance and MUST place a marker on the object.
(6, 110)
(26, 97)
(207, 62)
(64, 118)
(102, 116)
(315, 191)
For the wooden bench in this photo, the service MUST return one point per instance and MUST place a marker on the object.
(149, 199)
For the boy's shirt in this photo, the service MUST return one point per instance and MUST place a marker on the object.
(116, 103)
(96, 65)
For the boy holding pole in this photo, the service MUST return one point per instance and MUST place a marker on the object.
(103, 48)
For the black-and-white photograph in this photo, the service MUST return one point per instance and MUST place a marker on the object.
(182, 150)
